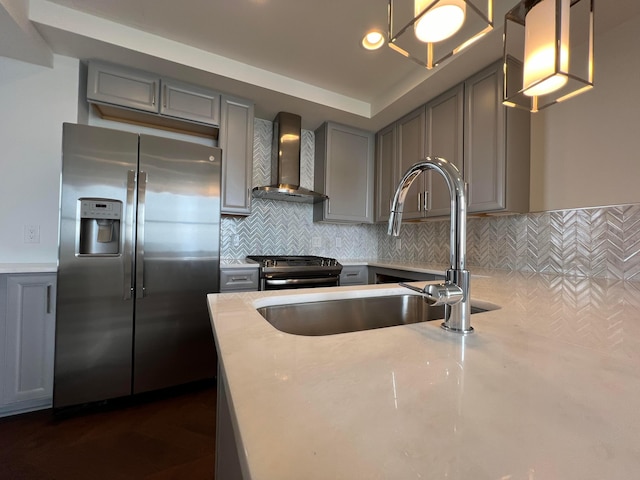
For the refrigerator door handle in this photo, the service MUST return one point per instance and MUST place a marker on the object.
(129, 235)
(142, 192)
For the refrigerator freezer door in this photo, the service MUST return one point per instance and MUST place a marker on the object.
(94, 328)
(180, 262)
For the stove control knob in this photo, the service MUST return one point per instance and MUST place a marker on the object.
(268, 262)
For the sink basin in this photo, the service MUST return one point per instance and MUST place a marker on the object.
(352, 314)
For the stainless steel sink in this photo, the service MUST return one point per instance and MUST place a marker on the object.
(352, 314)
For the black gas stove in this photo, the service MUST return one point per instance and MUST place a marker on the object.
(292, 271)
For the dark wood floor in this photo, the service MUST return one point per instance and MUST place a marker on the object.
(161, 436)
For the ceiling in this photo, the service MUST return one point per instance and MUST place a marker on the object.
(302, 56)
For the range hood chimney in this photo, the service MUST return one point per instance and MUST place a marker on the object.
(285, 164)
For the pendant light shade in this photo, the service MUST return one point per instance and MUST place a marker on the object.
(548, 52)
(440, 22)
(540, 52)
(430, 31)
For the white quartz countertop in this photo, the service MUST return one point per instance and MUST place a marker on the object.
(546, 388)
(238, 263)
(28, 268)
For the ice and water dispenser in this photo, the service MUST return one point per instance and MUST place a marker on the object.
(99, 226)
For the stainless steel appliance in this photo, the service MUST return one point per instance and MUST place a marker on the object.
(139, 251)
(285, 163)
(282, 272)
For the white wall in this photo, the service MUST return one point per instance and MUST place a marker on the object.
(35, 101)
(585, 152)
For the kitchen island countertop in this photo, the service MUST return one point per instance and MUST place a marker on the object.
(546, 388)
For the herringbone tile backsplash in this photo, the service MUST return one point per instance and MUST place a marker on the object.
(598, 242)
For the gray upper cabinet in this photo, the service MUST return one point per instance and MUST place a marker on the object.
(190, 102)
(469, 126)
(386, 172)
(445, 139)
(398, 147)
(411, 150)
(127, 88)
(236, 141)
(146, 98)
(344, 171)
(496, 147)
(123, 86)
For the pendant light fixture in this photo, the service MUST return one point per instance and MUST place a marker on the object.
(430, 31)
(548, 52)
(439, 22)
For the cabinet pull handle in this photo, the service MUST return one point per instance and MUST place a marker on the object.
(164, 96)
(48, 298)
(153, 99)
(419, 202)
(239, 279)
(426, 201)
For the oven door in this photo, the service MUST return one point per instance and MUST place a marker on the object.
(270, 282)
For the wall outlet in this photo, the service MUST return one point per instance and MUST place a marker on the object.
(398, 244)
(315, 242)
(32, 234)
(338, 242)
(236, 240)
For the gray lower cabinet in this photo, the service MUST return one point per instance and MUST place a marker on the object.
(236, 141)
(354, 275)
(238, 279)
(379, 275)
(496, 146)
(27, 336)
(344, 171)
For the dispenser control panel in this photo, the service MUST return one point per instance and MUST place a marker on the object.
(96, 208)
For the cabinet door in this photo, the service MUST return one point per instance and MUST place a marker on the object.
(484, 141)
(386, 172)
(445, 139)
(353, 275)
(123, 87)
(347, 158)
(29, 339)
(497, 146)
(411, 150)
(190, 102)
(236, 141)
(239, 279)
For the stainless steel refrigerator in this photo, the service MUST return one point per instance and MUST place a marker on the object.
(139, 250)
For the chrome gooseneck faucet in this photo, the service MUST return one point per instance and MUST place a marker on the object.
(454, 293)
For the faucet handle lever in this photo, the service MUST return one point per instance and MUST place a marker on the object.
(439, 294)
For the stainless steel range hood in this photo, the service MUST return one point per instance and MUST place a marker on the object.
(285, 164)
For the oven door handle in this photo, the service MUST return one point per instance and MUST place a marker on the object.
(299, 281)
